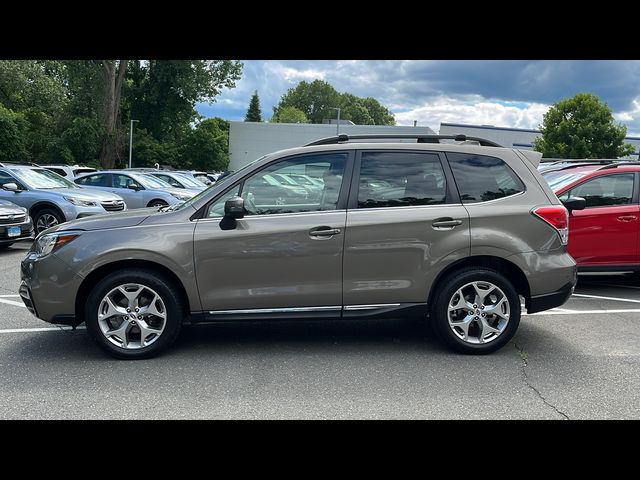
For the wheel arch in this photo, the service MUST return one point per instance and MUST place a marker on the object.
(39, 206)
(92, 279)
(505, 267)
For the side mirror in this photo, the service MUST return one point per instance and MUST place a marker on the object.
(11, 187)
(574, 203)
(134, 186)
(234, 208)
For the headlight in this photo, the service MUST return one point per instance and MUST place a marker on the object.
(81, 203)
(181, 196)
(45, 244)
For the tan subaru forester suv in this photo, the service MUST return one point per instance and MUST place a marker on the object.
(452, 230)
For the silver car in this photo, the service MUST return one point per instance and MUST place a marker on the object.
(454, 234)
(138, 189)
(51, 199)
(179, 180)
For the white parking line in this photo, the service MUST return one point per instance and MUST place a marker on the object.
(583, 312)
(11, 302)
(606, 298)
(43, 329)
(9, 295)
(616, 285)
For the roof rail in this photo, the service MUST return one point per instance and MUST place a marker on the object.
(420, 139)
(619, 164)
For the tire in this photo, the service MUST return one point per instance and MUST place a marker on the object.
(157, 203)
(45, 218)
(450, 327)
(150, 284)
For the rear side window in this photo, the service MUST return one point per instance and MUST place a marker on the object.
(481, 178)
(398, 179)
(99, 180)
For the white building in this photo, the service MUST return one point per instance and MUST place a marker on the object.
(510, 137)
(251, 140)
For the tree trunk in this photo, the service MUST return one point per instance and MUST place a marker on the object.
(113, 79)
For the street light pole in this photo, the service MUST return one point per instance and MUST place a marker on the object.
(131, 141)
(338, 126)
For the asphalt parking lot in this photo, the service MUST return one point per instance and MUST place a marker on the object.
(581, 361)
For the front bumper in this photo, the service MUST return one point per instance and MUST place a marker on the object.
(48, 288)
(26, 231)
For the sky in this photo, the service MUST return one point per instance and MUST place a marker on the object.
(502, 93)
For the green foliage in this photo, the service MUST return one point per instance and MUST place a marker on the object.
(208, 145)
(581, 127)
(254, 114)
(54, 111)
(318, 101)
(289, 115)
(12, 139)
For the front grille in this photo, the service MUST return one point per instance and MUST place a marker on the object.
(12, 219)
(113, 205)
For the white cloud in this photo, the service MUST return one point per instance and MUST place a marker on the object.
(474, 111)
(295, 75)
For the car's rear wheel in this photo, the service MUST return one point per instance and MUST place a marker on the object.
(475, 311)
(134, 314)
(46, 218)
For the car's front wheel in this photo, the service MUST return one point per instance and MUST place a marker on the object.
(46, 218)
(476, 311)
(134, 314)
(157, 203)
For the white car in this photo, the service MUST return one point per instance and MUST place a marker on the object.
(70, 172)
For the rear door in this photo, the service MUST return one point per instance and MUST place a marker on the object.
(606, 231)
(404, 217)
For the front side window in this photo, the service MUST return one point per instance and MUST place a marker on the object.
(98, 180)
(266, 192)
(123, 181)
(170, 180)
(397, 179)
(216, 209)
(481, 178)
(605, 191)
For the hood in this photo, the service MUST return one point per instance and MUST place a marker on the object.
(129, 218)
(88, 194)
(8, 208)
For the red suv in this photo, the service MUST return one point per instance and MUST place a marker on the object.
(604, 235)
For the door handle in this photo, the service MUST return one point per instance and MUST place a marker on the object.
(323, 232)
(445, 223)
(627, 218)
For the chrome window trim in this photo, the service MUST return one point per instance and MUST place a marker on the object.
(248, 217)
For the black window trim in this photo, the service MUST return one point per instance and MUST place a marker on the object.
(342, 197)
(634, 194)
(451, 195)
(524, 185)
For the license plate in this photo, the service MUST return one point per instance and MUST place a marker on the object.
(13, 232)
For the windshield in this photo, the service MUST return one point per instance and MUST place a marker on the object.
(559, 179)
(39, 178)
(149, 181)
(188, 180)
(227, 181)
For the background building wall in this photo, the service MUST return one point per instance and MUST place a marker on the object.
(251, 140)
(510, 137)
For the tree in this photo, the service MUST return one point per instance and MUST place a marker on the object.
(113, 76)
(289, 115)
(318, 101)
(254, 114)
(12, 139)
(581, 127)
(208, 145)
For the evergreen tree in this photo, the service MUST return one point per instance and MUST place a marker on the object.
(254, 114)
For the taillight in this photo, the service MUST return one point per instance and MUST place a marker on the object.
(558, 217)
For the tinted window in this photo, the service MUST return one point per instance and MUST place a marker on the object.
(267, 193)
(6, 178)
(170, 180)
(480, 178)
(59, 171)
(606, 190)
(392, 179)
(99, 180)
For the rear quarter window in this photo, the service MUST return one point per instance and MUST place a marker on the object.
(481, 178)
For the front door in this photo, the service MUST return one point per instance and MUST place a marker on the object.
(285, 255)
(606, 231)
(120, 186)
(404, 217)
